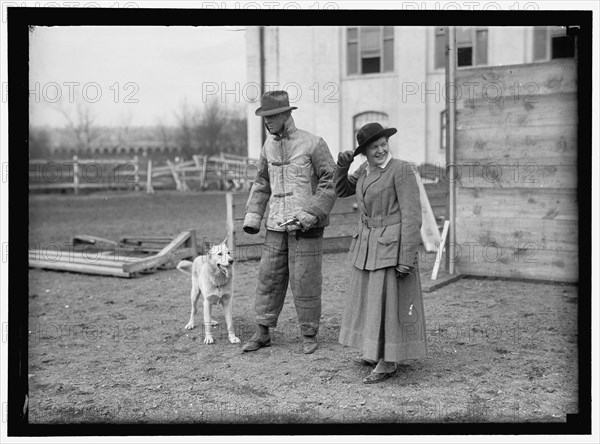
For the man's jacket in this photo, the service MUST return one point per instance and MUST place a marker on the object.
(295, 173)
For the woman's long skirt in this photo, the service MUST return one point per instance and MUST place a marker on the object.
(378, 318)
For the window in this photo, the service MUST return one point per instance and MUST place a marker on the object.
(443, 129)
(368, 117)
(370, 49)
(471, 46)
(552, 42)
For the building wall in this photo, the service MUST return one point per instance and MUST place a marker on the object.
(305, 62)
(310, 62)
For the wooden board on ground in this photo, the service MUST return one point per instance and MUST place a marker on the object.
(124, 261)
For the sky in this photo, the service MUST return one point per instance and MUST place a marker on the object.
(140, 75)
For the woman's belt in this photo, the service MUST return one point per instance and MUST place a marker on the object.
(384, 221)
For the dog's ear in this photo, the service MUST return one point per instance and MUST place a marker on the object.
(225, 240)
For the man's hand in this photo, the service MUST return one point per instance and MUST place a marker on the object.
(403, 270)
(306, 220)
(345, 158)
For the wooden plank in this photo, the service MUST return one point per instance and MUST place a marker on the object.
(429, 230)
(243, 238)
(180, 184)
(522, 82)
(520, 142)
(88, 257)
(149, 188)
(341, 205)
(149, 262)
(188, 169)
(146, 239)
(558, 266)
(546, 234)
(336, 244)
(50, 186)
(438, 256)
(161, 257)
(428, 287)
(176, 257)
(542, 111)
(526, 203)
(516, 174)
(79, 268)
(342, 224)
(98, 242)
(175, 243)
(78, 260)
(331, 245)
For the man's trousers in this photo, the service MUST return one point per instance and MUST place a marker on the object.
(297, 259)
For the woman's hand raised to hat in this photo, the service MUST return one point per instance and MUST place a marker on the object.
(345, 158)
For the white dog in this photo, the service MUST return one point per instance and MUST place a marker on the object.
(212, 276)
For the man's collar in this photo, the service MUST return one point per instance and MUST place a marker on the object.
(383, 165)
(288, 128)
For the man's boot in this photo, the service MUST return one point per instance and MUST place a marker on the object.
(261, 338)
(310, 344)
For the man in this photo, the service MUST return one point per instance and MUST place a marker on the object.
(295, 180)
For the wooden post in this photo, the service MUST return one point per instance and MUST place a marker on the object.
(193, 244)
(75, 175)
(136, 174)
(178, 184)
(451, 96)
(230, 226)
(204, 165)
(222, 175)
(149, 189)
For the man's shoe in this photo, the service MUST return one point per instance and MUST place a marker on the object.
(375, 377)
(361, 361)
(310, 344)
(257, 341)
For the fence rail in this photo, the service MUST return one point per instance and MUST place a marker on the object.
(222, 172)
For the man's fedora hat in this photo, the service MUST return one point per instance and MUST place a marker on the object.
(370, 133)
(274, 102)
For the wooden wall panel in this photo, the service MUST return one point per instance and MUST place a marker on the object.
(516, 160)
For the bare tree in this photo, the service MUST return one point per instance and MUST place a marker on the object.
(212, 130)
(119, 137)
(212, 127)
(187, 119)
(81, 123)
(40, 140)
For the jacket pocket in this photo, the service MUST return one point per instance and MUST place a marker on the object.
(387, 248)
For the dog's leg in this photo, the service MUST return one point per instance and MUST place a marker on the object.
(195, 294)
(208, 337)
(226, 302)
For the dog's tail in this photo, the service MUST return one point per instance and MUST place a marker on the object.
(185, 267)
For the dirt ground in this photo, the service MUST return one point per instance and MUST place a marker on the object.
(114, 350)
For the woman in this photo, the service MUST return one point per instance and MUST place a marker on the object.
(383, 316)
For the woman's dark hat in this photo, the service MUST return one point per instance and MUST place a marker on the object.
(274, 102)
(370, 133)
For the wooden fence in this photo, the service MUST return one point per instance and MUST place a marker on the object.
(77, 174)
(343, 220)
(222, 172)
(516, 148)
